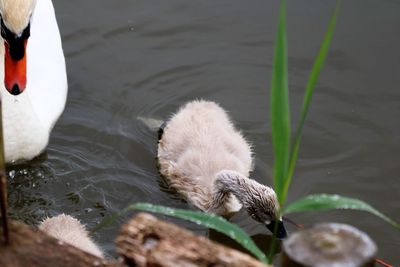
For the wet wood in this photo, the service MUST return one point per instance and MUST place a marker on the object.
(327, 245)
(144, 241)
(30, 247)
(147, 241)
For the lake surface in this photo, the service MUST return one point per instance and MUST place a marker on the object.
(143, 59)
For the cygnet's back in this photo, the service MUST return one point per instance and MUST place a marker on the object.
(70, 230)
(198, 142)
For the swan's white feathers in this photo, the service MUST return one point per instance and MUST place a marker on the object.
(198, 142)
(69, 230)
(29, 117)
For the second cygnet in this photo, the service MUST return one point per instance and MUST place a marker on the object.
(70, 230)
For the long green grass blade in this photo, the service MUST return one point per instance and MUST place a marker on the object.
(312, 81)
(280, 115)
(208, 220)
(330, 202)
(107, 221)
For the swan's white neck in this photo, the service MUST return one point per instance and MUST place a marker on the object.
(29, 117)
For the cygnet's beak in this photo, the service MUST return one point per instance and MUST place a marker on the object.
(278, 227)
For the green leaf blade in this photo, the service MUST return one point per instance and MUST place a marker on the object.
(107, 221)
(208, 220)
(312, 81)
(280, 114)
(330, 202)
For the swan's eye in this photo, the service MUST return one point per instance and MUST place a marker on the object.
(26, 33)
(4, 30)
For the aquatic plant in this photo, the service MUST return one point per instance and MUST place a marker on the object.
(285, 152)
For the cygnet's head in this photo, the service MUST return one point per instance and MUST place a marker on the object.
(260, 201)
(263, 207)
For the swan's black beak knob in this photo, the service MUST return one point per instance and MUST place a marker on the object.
(278, 227)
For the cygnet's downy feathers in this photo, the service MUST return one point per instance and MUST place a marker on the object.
(69, 230)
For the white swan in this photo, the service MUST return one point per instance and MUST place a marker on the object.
(35, 83)
(69, 230)
(208, 161)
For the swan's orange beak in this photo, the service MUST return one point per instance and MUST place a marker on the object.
(15, 69)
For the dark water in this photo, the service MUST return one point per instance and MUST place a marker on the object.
(130, 59)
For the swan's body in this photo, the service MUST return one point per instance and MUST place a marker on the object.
(70, 230)
(208, 161)
(29, 117)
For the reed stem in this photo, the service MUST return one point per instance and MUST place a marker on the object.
(3, 182)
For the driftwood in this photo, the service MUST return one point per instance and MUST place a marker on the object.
(30, 247)
(144, 241)
(329, 244)
(147, 241)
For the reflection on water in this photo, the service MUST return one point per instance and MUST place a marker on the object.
(25, 183)
(144, 59)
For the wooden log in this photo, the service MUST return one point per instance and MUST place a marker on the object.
(329, 244)
(144, 241)
(30, 247)
(147, 241)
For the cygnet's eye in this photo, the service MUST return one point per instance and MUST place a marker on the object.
(267, 218)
